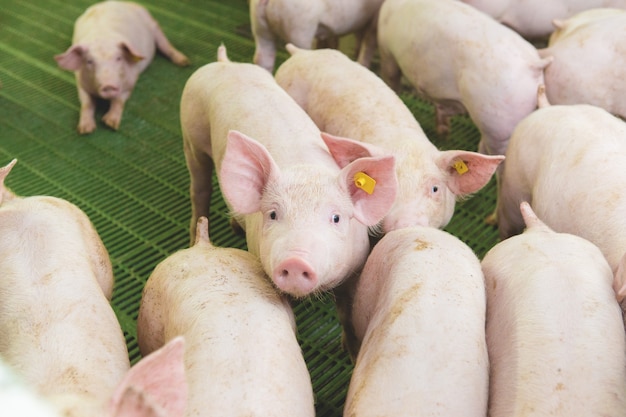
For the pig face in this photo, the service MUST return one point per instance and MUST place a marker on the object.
(310, 222)
(303, 242)
(433, 206)
(105, 67)
(429, 186)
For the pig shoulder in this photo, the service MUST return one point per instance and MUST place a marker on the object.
(255, 93)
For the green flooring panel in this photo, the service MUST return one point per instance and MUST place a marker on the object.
(133, 183)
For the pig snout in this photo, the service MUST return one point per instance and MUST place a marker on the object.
(108, 86)
(108, 91)
(295, 275)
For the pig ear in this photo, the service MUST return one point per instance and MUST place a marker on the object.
(131, 52)
(372, 200)
(71, 59)
(155, 386)
(5, 193)
(346, 150)
(246, 168)
(467, 171)
(619, 280)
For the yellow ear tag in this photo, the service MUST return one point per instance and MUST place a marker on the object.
(136, 58)
(460, 167)
(364, 182)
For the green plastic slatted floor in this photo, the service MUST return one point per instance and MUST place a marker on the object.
(133, 183)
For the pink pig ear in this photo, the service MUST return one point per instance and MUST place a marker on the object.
(346, 150)
(373, 185)
(131, 52)
(72, 59)
(246, 168)
(155, 386)
(619, 280)
(468, 171)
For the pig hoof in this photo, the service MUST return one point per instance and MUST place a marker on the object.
(443, 130)
(112, 121)
(180, 59)
(85, 128)
(491, 220)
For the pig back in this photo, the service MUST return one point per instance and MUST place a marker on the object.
(341, 97)
(420, 311)
(566, 160)
(56, 324)
(466, 53)
(225, 96)
(554, 329)
(242, 356)
(587, 51)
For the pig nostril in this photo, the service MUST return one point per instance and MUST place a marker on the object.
(286, 274)
(295, 276)
(108, 89)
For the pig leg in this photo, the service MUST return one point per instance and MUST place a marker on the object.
(167, 49)
(389, 69)
(508, 216)
(265, 52)
(87, 121)
(368, 42)
(442, 119)
(113, 117)
(201, 186)
(162, 43)
(330, 42)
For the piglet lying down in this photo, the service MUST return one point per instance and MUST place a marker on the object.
(114, 41)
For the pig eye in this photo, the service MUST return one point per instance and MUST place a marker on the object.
(273, 215)
(336, 218)
(434, 189)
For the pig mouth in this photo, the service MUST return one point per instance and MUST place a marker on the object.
(108, 91)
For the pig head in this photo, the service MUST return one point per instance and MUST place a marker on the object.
(306, 225)
(107, 69)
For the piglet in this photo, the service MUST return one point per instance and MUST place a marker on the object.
(554, 329)
(588, 51)
(419, 310)
(113, 42)
(302, 21)
(346, 99)
(462, 60)
(57, 328)
(567, 161)
(243, 358)
(305, 199)
(533, 18)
